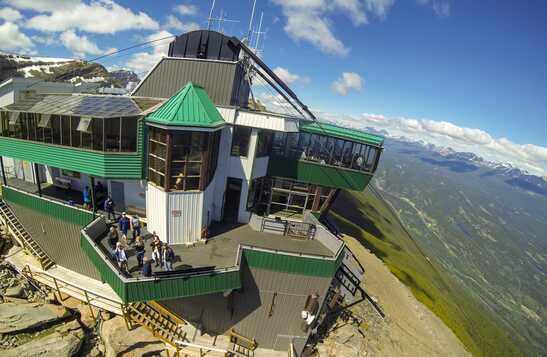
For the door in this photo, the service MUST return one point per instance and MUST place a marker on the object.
(231, 199)
(118, 196)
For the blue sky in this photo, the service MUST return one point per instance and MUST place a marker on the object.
(470, 72)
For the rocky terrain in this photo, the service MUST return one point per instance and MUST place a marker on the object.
(408, 329)
(64, 69)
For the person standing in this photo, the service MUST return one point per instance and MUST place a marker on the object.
(156, 250)
(136, 226)
(168, 257)
(139, 249)
(147, 268)
(87, 197)
(124, 224)
(113, 237)
(121, 258)
(109, 208)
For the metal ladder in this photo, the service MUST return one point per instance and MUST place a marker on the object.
(23, 237)
(163, 324)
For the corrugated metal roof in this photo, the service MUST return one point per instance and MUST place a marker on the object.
(191, 106)
(340, 132)
(83, 105)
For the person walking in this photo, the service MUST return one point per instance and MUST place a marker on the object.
(87, 197)
(123, 224)
(156, 250)
(168, 257)
(147, 268)
(140, 251)
(123, 241)
(121, 258)
(136, 226)
(113, 237)
(109, 208)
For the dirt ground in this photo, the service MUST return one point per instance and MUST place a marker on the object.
(408, 329)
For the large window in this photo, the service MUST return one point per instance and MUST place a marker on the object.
(286, 197)
(240, 141)
(182, 160)
(264, 143)
(100, 134)
(326, 150)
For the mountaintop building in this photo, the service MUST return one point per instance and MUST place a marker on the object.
(239, 193)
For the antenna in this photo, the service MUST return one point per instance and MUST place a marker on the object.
(210, 15)
(250, 23)
(258, 33)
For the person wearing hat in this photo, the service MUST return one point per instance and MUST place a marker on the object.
(124, 224)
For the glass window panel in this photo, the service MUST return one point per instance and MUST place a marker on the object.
(87, 141)
(129, 134)
(292, 145)
(84, 124)
(264, 143)
(156, 163)
(192, 183)
(74, 121)
(97, 132)
(193, 169)
(56, 129)
(327, 146)
(65, 130)
(45, 121)
(13, 118)
(112, 134)
(278, 144)
(347, 154)
(337, 153)
(356, 155)
(240, 141)
(32, 126)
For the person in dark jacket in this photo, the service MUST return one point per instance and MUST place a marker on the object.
(168, 257)
(140, 250)
(113, 237)
(124, 223)
(109, 208)
(147, 268)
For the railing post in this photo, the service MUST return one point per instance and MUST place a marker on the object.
(4, 179)
(58, 290)
(90, 307)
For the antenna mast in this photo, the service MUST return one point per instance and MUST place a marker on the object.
(210, 19)
(248, 38)
(258, 33)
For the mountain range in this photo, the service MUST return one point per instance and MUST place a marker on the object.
(485, 223)
(65, 70)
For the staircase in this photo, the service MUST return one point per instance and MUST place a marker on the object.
(162, 323)
(241, 345)
(23, 237)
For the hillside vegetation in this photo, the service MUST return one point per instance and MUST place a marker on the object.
(368, 218)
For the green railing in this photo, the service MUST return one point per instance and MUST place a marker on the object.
(180, 285)
(318, 174)
(154, 288)
(64, 212)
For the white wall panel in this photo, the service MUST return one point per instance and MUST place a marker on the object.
(184, 217)
(156, 211)
(260, 166)
(266, 121)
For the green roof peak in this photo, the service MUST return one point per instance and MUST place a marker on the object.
(190, 106)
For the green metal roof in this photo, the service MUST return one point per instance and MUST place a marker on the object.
(191, 106)
(340, 132)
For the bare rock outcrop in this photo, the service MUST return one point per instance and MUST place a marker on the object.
(16, 317)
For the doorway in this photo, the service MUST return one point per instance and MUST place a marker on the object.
(118, 195)
(231, 199)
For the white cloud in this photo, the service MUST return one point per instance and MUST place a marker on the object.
(142, 62)
(348, 82)
(289, 77)
(11, 38)
(175, 24)
(48, 39)
(310, 20)
(186, 9)
(440, 7)
(9, 14)
(42, 5)
(379, 8)
(81, 45)
(532, 158)
(97, 16)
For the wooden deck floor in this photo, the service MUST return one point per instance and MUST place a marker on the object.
(220, 251)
